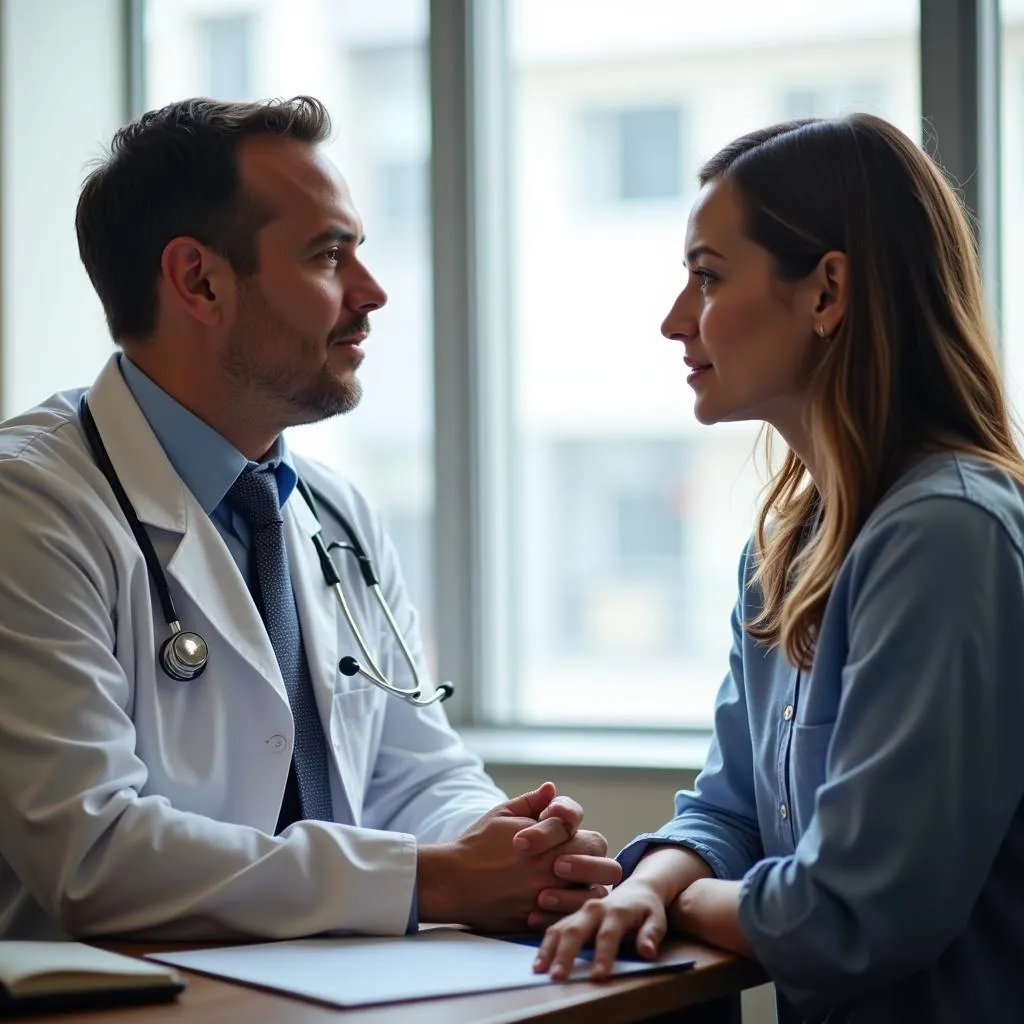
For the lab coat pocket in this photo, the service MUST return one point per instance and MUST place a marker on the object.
(354, 739)
(808, 767)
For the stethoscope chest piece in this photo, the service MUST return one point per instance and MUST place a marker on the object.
(184, 655)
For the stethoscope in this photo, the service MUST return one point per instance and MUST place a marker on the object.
(184, 655)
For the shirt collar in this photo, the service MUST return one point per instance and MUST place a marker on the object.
(207, 462)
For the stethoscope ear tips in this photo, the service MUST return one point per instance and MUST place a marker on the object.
(184, 656)
(348, 666)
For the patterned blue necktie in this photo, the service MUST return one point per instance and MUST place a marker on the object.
(254, 496)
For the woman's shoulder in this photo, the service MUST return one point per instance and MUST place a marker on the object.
(951, 493)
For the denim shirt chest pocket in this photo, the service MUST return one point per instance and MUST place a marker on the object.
(807, 767)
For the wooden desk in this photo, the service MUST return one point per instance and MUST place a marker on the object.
(619, 1001)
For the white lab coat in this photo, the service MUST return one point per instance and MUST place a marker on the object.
(134, 804)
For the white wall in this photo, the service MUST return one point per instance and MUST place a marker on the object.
(61, 94)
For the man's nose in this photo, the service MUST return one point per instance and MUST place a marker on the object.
(363, 293)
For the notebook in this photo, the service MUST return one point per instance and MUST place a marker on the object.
(41, 977)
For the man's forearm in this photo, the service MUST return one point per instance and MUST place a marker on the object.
(437, 875)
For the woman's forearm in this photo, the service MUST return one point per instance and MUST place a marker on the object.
(670, 870)
(709, 909)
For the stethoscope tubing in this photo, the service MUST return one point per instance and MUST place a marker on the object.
(371, 671)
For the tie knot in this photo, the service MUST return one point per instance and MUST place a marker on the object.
(254, 497)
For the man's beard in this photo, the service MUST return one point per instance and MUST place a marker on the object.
(270, 383)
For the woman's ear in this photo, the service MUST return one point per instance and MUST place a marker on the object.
(829, 292)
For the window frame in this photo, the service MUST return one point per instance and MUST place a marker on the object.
(959, 45)
(475, 531)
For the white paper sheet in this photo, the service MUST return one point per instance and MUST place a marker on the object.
(363, 971)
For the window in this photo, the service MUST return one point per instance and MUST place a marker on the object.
(371, 73)
(53, 334)
(630, 518)
(1013, 199)
(228, 49)
(402, 192)
(624, 518)
(632, 154)
(803, 101)
(621, 535)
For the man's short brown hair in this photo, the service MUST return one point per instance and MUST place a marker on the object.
(174, 172)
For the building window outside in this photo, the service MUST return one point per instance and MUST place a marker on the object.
(620, 534)
(632, 154)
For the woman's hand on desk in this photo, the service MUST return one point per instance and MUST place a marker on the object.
(635, 908)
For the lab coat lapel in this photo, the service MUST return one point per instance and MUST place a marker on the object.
(205, 570)
(201, 563)
(318, 615)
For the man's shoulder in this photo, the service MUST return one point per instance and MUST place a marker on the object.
(327, 481)
(44, 436)
(48, 480)
(336, 491)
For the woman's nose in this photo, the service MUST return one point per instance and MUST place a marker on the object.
(680, 324)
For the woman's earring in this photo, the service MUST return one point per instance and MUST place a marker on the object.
(820, 330)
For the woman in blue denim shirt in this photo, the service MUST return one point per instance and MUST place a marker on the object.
(858, 827)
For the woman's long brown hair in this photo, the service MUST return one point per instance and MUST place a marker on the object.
(911, 369)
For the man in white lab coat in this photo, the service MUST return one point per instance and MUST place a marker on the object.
(223, 246)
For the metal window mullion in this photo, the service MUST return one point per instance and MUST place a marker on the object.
(455, 615)
(133, 21)
(471, 352)
(960, 102)
(495, 358)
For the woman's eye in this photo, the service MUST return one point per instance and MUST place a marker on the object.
(705, 277)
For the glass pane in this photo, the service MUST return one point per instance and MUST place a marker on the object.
(631, 516)
(369, 66)
(228, 48)
(1013, 198)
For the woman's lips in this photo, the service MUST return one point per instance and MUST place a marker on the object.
(697, 369)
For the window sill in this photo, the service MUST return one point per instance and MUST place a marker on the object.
(586, 748)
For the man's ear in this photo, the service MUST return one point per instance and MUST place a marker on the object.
(829, 292)
(200, 282)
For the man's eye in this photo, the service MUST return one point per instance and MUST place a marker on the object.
(331, 256)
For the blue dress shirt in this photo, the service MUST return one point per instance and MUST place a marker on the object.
(209, 464)
(872, 805)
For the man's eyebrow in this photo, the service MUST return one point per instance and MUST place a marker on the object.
(702, 250)
(334, 234)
